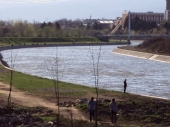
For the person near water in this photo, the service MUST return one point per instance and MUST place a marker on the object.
(125, 85)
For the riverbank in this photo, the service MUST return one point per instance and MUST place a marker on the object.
(150, 56)
(134, 110)
(5, 41)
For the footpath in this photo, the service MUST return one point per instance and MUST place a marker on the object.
(143, 55)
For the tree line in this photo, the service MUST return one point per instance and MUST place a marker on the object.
(60, 28)
(139, 24)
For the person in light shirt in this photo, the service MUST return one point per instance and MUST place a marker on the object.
(114, 110)
(91, 107)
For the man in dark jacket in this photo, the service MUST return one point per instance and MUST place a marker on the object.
(125, 85)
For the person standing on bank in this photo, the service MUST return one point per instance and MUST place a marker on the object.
(125, 85)
(114, 110)
(91, 107)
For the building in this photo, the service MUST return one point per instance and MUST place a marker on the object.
(148, 16)
(167, 15)
(101, 22)
(105, 22)
(167, 4)
(151, 16)
(167, 11)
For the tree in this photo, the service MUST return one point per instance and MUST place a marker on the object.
(30, 31)
(11, 28)
(12, 59)
(53, 69)
(88, 26)
(138, 24)
(80, 32)
(60, 33)
(50, 24)
(95, 59)
(5, 31)
(43, 25)
(47, 30)
(19, 28)
(95, 26)
(57, 25)
(153, 24)
(167, 25)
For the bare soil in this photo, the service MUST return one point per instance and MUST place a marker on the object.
(139, 110)
(30, 100)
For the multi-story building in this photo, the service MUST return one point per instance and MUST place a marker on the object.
(167, 11)
(151, 16)
(148, 16)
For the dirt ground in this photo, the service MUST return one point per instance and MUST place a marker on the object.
(30, 100)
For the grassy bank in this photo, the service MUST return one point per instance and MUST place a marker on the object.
(28, 41)
(134, 109)
(45, 87)
(9, 41)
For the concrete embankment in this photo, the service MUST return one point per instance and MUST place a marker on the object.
(149, 56)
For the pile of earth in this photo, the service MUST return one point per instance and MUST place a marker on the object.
(156, 46)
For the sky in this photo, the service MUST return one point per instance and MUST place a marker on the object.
(52, 10)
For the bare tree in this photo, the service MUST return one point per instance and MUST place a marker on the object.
(53, 69)
(12, 59)
(95, 59)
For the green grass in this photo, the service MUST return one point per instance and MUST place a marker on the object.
(48, 118)
(82, 107)
(15, 41)
(117, 41)
(5, 41)
(43, 86)
(38, 85)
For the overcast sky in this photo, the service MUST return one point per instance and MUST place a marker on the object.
(51, 10)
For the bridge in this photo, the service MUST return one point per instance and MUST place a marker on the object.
(120, 23)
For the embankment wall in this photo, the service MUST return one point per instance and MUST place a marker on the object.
(143, 55)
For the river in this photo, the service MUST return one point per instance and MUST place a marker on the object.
(75, 65)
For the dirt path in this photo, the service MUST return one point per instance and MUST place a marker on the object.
(30, 100)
